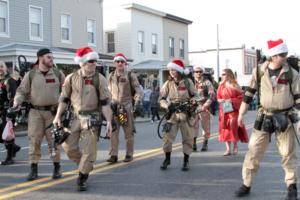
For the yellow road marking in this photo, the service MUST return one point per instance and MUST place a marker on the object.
(71, 175)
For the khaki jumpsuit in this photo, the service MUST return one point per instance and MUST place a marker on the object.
(81, 91)
(173, 93)
(121, 94)
(276, 96)
(205, 89)
(43, 94)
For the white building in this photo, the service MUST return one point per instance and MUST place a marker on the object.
(143, 34)
(240, 60)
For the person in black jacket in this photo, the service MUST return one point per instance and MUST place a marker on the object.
(8, 88)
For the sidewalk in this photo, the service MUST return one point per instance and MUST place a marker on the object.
(21, 133)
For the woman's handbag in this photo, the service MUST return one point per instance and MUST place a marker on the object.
(227, 107)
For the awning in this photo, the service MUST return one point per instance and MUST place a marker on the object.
(150, 65)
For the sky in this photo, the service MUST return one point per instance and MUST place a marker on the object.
(249, 22)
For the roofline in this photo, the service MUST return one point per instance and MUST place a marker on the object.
(223, 49)
(157, 12)
(144, 9)
(178, 19)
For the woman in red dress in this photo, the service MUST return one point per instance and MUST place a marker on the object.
(229, 131)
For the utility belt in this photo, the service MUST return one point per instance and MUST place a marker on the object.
(88, 112)
(270, 121)
(52, 108)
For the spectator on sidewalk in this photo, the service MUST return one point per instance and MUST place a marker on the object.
(154, 104)
(146, 101)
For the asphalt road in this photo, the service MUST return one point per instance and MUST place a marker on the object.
(212, 176)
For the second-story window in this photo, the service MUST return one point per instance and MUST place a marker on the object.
(141, 42)
(110, 42)
(3, 18)
(171, 47)
(65, 22)
(154, 43)
(36, 23)
(91, 29)
(181, 48)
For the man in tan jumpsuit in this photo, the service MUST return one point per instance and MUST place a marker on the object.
(206, 91)
(122, 87)
(41, 86)
(87, 99)
(278, 87)
(174, 91)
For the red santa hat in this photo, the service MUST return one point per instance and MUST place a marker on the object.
(198, 67)
(85, 54)
(276, 47)
(120, 56)
(178, 65)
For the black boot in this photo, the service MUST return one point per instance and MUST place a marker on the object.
(16, 148)
(166, 162)
(186, 166)
(128, 158)
(204, 146)
(81, 181)
(9, 156)
(112, 159)
(195, 144)
(292, 192)
(56, 171)
(243, 191)
(33, 174)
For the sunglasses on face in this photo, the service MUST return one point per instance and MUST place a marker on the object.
(200, 72)
(283, 55)
(120, 61)
(92, 61)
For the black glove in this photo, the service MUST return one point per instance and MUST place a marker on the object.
(171, 108)
(136, 109)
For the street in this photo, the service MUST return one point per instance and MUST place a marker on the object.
(212, 175)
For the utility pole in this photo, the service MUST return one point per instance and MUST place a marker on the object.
(218, 57)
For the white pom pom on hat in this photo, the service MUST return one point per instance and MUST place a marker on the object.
(178, 65)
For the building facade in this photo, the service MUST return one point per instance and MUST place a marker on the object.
(240, 60)
(142, 34)
(63, 26)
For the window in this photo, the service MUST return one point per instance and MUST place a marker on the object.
(249, 65)
(36, 23)
(110, 42)
(3, 18)
(154, 43)
(65, 23)
(141, 42)
(171, 47)
(91, 29)
(181, 48)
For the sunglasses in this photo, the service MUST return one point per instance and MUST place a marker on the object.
(283, 55)
(198, 72)
(92, 61)
(119, 61)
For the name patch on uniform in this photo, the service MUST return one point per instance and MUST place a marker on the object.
(50, 80)
(282, 81)
(123, 80)
(181, 88)
(88, 82)
(199, 87)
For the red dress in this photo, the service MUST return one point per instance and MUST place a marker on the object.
(229, 131)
